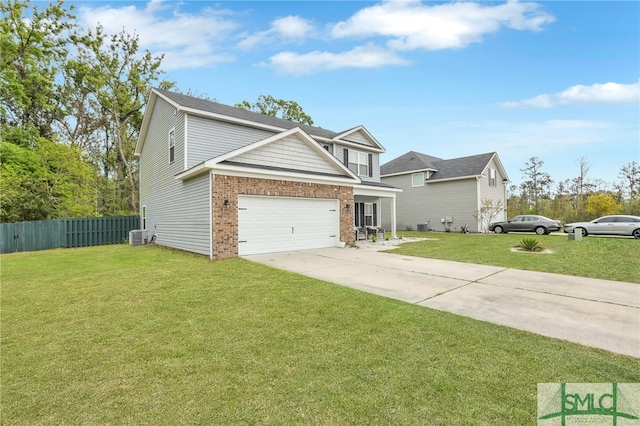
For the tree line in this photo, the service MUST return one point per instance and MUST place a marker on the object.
(71, 107)
(70, 113)
(576, 199)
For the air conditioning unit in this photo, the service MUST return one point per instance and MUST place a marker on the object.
(136, 237)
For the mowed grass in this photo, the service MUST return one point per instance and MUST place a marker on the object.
(146, 335)
(610, 258)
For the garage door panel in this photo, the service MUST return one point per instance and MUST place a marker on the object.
(271, 224)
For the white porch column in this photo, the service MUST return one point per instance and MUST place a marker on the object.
(393, 216)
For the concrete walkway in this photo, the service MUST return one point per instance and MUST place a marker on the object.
(599, 313)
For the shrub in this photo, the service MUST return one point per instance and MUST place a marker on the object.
(530, 244)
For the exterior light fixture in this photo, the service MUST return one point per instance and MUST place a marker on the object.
(226, 204)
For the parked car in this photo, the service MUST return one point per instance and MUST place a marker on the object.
(526, 223)
(608, 225)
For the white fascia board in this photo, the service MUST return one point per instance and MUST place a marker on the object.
(496, 159)
(338, 138)
(145, 122)
(151, 102)
(231, 170)
(193, 172)
(357, 145)
(200, 113)
(312, 143)
(455, 178)
(410, 172)
(248, 123)
(503, 172)
(375, 191)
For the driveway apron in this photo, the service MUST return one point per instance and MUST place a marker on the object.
(598, 313)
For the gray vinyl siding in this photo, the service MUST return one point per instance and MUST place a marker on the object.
(339, 153)
(432, 202)
(359, 138)
(498, 192)
(179, 210)
(207, 138)
(289, 152)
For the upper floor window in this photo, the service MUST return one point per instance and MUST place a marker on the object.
(328, 148)
(172, 145)
(417, 179)
(492, 177)
(360, 163)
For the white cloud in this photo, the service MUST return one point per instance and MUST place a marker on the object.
(289, 28)
(413, 25)
(607, 93)
(187, 40)
(368, 56)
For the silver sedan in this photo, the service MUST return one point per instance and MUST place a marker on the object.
(607, 225)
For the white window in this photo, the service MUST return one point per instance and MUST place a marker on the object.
(328, 148)
(144, 217)
(172, 145)
(359, 162)
(368, 214)
(417, 179)
(492, 177)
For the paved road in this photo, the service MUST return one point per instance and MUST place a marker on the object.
(599, 313)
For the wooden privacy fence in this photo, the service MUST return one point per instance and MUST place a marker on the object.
(66, 233)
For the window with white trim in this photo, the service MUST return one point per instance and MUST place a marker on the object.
(172, 145)
(368, 214)
(492, 177)
(144, 217)
(417, 179)
(359, 162)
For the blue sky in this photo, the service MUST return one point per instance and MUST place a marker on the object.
(558, 80)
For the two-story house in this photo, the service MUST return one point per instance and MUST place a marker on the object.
(447, 194)
(223, 181)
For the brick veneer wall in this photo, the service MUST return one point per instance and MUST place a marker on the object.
(225, 220)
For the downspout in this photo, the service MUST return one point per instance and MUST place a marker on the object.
(393, 217)
(479, 204)
(210, 215)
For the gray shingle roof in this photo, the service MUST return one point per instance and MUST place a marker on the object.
(463, 166)
(229, 111)
(445, 169)
(411, 161)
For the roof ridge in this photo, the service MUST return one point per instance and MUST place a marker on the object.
(246, 114)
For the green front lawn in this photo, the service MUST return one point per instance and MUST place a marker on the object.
(146, 335)
(608, 258)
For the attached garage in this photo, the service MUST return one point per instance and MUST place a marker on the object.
(273, 224)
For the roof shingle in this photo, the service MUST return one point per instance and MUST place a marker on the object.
(412, 161)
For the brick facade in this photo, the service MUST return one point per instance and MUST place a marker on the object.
(225, 220)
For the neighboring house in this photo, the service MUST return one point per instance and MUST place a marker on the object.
(446, 193)
(223, 181)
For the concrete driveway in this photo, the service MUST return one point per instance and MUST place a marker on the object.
(598, 313)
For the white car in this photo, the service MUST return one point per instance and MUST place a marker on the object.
(607, 225)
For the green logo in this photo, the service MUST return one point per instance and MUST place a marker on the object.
(567, 404)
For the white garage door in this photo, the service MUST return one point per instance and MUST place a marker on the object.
(271, 224)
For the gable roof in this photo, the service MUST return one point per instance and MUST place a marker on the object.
(410, 162)
(328, 165)
(210, 109)
(455, 168)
